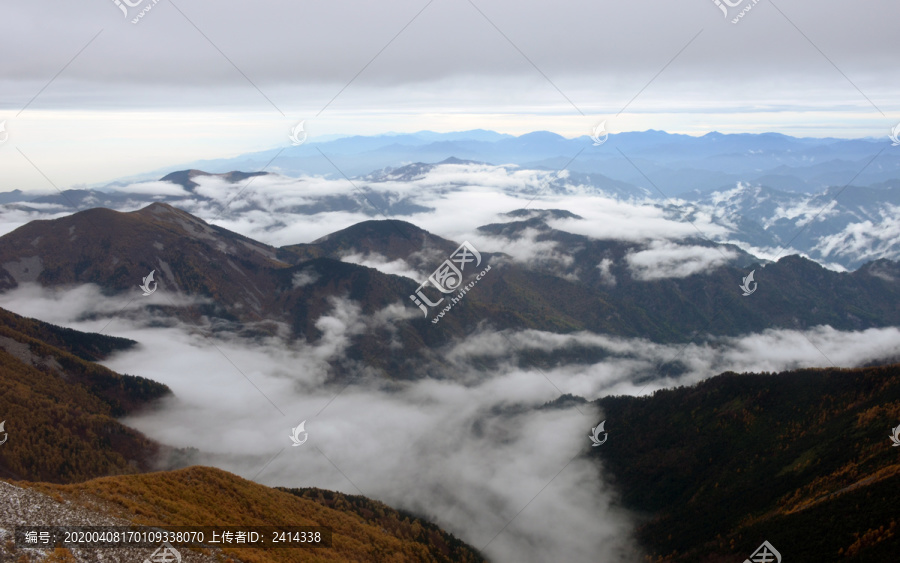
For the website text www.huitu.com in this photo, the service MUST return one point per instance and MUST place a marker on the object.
(448, 279)
(459, 296)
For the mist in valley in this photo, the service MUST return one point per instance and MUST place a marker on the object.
(480, 452)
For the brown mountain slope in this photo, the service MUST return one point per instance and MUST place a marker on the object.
(86, 346)
(390, 238)
(116, 250)
(801, 459)
(238, 279)
(202, 496)
(59, 409)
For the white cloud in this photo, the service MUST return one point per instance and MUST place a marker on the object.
(460, 198)
(275, 210)
(606, 275)
(664, 259)
(865, 240)
(632, 359)
(526, 249)
(374, 260)
(12, 217)
(155, 188)
(304, 277)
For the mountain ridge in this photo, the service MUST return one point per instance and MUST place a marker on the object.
(842, 221)
(601, 286)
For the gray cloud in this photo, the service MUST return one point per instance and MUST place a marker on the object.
(664, 259)
(304, 277)
(285, 47)
(396, 267)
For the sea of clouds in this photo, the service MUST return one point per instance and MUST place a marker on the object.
(451, 200)
(476, 451)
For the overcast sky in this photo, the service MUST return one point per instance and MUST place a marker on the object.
(88, 96)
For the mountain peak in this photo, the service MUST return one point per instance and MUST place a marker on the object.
(542, 136)
(120, 247)
(163, 212)
(454, 160)
(386, 232)
(160, 209)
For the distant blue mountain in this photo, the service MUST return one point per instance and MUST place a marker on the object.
(785, 181)
(838, 225)
(673, 163)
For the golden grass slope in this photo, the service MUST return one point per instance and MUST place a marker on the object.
(203, 496)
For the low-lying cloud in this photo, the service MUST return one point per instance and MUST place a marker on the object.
(469, 457)
(665, 259)
(397, 267)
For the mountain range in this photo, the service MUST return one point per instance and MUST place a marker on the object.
(741, 458)
(800, 459)
(839, 219)
(602, 286)
(678, 163)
